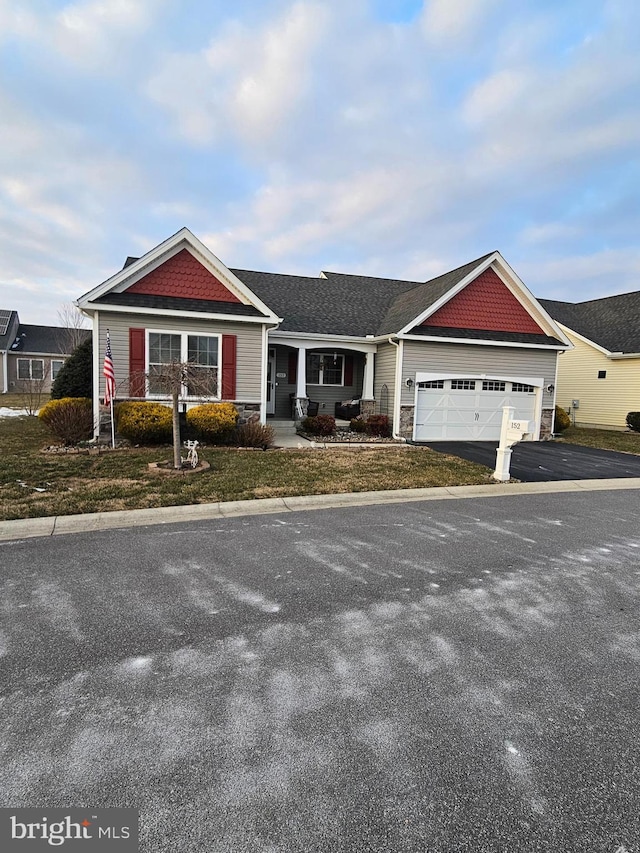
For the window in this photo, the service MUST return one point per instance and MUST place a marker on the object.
(602, 374)
(434, 383)
(30, 368)
(463, 385)
(200, 351)
(56, 364)
(490, 385)
(521, 388)
(325, 368)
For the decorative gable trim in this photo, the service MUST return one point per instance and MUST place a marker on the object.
(185, 277)
(145, 265)
(486, 303)
(513, 283)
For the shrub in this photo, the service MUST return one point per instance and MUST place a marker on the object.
(213, 422)
(254, 435)
(633, 421)
(144, 423)
(562, 420)
(70, 419)
(358, 425)
(75, 377)
(378, 425)
(319, 425)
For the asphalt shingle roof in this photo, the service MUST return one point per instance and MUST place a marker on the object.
(7, 339)
(344, 304)
(176, 303)
(41, 339)
(612, 322)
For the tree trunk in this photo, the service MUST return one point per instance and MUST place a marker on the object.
(177, 463)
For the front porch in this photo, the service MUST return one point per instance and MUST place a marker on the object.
(301, 376)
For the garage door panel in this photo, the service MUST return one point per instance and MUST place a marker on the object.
(468, 415)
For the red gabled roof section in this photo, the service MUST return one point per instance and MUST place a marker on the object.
(185, 277)
(485, 304)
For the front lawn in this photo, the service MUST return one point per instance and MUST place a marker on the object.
(605, 439)
(120, 480)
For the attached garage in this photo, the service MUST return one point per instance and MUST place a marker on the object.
(469, 408)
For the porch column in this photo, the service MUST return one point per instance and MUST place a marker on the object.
(301, 384)
(301, 381)
(367, 383)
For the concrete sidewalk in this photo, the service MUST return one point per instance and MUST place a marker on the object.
(27, 528)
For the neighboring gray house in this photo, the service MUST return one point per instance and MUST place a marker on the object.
(31, 354)
(440, 358)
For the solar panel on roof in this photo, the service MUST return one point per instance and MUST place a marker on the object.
(5, 316)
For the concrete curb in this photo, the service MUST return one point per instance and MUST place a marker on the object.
(29, 528)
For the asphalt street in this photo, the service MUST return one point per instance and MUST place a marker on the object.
(541, 461)
(419, 677)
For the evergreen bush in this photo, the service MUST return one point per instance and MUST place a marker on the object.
(319, 425)
(213, 422)
(378, 425)
(75, 377)
(144, 423)
(633, 421)
(562, 420)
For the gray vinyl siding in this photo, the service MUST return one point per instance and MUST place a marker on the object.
(474, 359)
(326, 395)
(17, 385)
(385, 374)
(248, 353)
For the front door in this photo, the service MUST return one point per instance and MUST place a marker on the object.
(271, 382)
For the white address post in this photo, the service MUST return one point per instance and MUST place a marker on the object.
(511, 432)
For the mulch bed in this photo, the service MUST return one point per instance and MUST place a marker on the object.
(348, 437)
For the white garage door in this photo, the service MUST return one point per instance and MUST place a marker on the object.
(469, 409)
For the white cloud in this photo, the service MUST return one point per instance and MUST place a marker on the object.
(444, 21)
(95, 33)
(579, 277)
(246, 83)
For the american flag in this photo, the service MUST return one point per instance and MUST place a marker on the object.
(109, 374)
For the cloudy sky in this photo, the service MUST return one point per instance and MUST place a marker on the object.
(398, 138)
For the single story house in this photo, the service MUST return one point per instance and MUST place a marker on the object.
(440, 358)
(599, 378)
(31, 355)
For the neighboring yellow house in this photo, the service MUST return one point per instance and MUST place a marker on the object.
(599, 380)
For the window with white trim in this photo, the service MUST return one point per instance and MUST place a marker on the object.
(200, 352)
(521, 388)
(463, 385)
(30, 368)
(492, 385)
(433, 383)
(325, 368)
(56, 366)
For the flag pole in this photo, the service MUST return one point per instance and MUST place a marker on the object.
(109, 385)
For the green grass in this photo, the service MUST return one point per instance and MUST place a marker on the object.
(78, 483)
(606, 439)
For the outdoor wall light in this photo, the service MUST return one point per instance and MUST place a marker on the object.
(409, 382)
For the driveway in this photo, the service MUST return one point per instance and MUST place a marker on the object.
(536, 461)
(445, 677)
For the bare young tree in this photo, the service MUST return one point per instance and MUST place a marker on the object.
(73, 328)
(31, 393)
(177, 379)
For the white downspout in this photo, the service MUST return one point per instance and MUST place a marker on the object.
(397, 390)
(5, 371)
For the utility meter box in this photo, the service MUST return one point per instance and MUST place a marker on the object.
(575, 404)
